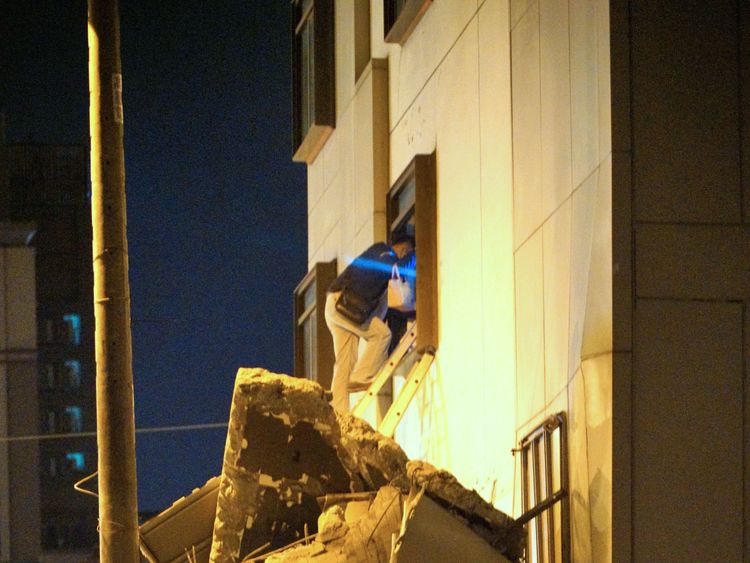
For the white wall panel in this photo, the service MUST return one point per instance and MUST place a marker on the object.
(527, 161)
(555, 103)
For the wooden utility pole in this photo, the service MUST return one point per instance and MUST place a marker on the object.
(118, 510)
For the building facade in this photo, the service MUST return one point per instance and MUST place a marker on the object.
(19, 495)
(573, 173)
(48, 185)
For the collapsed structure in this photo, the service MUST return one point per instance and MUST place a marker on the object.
(301, 482)
(296, 472)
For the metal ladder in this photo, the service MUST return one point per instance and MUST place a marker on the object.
(414, 379)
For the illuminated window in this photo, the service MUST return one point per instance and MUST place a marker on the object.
(72, 329)
(73, 419)
(412, 209)
(72, 374)
(313, 346)
(400, 17)
(76, 461)
(544, 484)
(313, 108)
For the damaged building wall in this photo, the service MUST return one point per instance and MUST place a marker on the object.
(287, 453)
(516, 107)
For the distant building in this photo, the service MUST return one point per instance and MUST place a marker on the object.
(575, 173)
(48, 185)
(19, 460)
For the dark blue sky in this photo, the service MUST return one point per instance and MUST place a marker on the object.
(216, 208)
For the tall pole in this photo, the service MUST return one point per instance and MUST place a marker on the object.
(118, 511)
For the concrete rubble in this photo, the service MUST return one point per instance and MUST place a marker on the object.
(300, 482)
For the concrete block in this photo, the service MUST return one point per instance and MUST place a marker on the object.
(286, 447)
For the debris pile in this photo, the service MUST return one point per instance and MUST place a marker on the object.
(302, 483)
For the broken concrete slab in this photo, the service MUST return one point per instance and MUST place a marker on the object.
(413, 529)
(285, 447)
(183, 531)
(345, 536)
(493, 525)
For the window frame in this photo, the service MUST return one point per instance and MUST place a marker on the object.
(422, 170)
(307, 144)
(539, 518)
(399, 25)
(321, 274)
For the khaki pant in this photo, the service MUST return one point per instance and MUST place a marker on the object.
(350, 371)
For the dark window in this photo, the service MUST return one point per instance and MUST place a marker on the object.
(400, 17)
(314, 105)
(412, 209)
(544, 485)
(313, 346)
(48, 376)
(361, 36)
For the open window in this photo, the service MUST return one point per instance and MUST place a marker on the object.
(544, 484)
(400, 17)
(314, 106)
(313, 345)
(412, 209)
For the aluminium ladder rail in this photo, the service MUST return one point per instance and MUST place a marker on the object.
(407, 341)
(414, 379)
(390, 421)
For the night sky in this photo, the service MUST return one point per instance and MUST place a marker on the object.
(216, 208)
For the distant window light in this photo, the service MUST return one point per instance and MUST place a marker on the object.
(76, 461)
(72, 374)
(74, 419)
(74, 328)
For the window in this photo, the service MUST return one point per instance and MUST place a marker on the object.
(412, 209)
(314, 107)
(72, 329)
(544, 484)
(48, 377)
(73, 420)
(400, 17)
(72, 374)
(51, 422)
(76, 461)
(313, 346)
(361, 36)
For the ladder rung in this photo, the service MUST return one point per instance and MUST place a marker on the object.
(386, 371)
(414, 380)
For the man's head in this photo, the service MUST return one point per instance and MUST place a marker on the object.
(402, 245)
